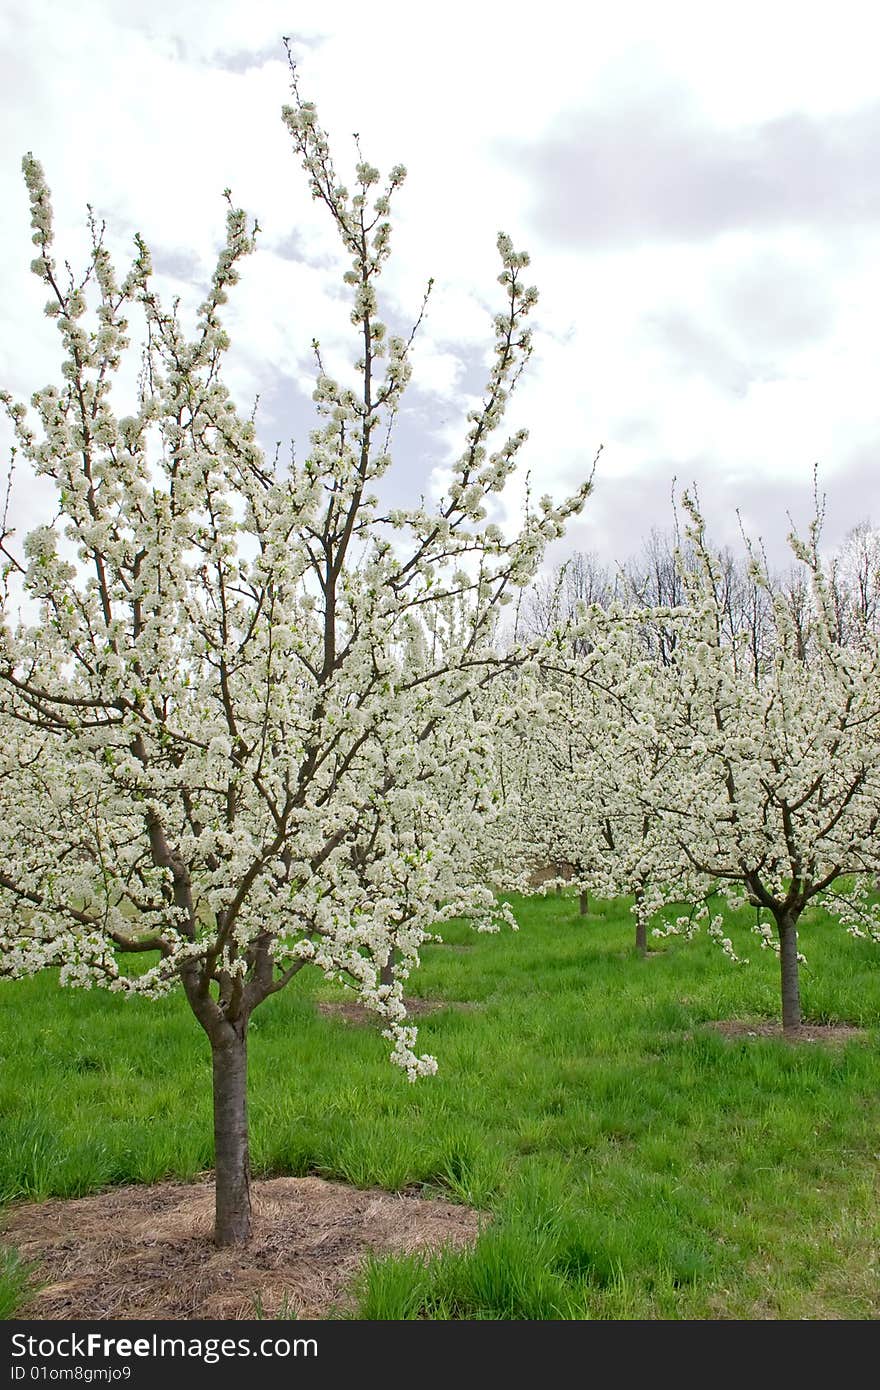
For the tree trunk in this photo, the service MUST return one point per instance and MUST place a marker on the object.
(386, 972)
(584, 902)
(641, 925)
(641, 936)
(231, 1158)
(786, 926)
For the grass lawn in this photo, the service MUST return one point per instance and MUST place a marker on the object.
(638, 1164)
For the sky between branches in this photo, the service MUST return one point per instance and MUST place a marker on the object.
(697, 185)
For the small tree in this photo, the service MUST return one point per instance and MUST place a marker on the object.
(581, 760)
(231, 730)
(854, 583)
(774, 773)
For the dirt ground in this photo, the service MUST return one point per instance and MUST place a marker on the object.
(146, 1252)
(768, 1028)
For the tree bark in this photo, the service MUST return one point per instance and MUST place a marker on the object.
(786, 926)
(641, 925)
(641, 936)
(584, 902)
(231, 1158)
(386, 972)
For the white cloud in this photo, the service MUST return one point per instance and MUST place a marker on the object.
(738, 357)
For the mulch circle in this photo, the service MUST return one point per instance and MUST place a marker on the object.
(146, 1252)
(769, 1028)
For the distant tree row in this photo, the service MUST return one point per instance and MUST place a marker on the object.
(725, 739)
(656, 578)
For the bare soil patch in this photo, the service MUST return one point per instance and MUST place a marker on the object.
(768, 1028)
(147, 1252)
(350, 1011)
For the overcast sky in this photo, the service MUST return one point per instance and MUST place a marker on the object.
(698, 186)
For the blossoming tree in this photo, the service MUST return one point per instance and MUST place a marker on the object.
(776, 770)
(231, 729)
(578, 762)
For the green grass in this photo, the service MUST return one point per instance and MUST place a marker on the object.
(636, 1164)
(14, 1281)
